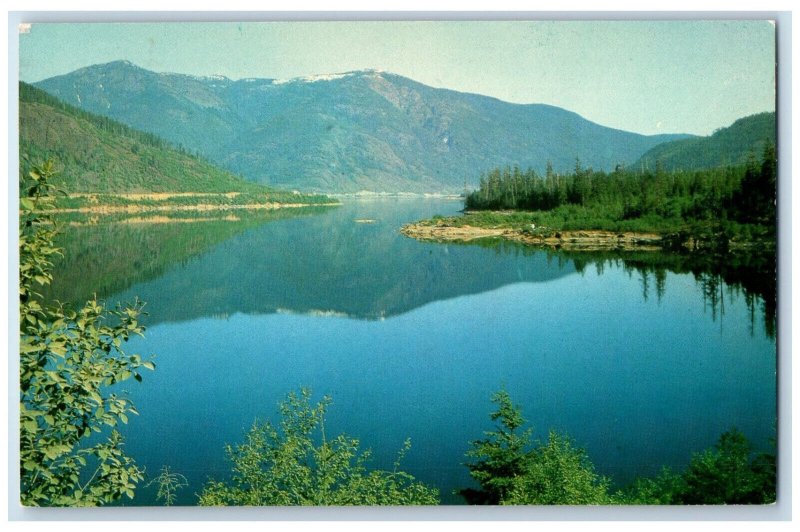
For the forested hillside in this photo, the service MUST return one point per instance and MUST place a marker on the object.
(733, 145)
(99, 155)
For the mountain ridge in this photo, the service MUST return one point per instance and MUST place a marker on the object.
(347, 132)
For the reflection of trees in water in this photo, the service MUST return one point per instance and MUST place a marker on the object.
(740, 274)
(751, 276)
(715, 288)
(659, 280)
(711, 286)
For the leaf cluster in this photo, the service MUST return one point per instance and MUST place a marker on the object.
(70, 454)
(294, 463)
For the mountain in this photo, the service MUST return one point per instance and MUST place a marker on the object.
(97, 154)
(730, 145)
(364, 130)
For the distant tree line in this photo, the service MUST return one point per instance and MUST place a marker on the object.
(744, 193)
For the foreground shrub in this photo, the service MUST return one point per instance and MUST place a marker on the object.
(296, 464)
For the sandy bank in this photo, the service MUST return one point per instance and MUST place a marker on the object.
(201, 207)
(95, 197)
(573, 240)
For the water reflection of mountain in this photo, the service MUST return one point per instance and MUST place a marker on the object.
(107, 255)
(332, 265)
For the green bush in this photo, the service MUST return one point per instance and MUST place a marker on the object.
(285, 465)
(557, 472)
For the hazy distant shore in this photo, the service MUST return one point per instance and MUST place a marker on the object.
(367, 194)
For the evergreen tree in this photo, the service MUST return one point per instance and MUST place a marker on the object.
(729, 474)
(499, 458)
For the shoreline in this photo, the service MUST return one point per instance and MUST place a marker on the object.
(582, 240)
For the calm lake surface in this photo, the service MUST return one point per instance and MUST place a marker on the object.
(641, 366)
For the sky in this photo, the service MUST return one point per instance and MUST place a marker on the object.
(643, 76)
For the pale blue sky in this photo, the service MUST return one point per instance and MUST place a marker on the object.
(648, 77)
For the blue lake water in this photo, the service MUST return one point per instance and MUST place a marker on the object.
(410, 340)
